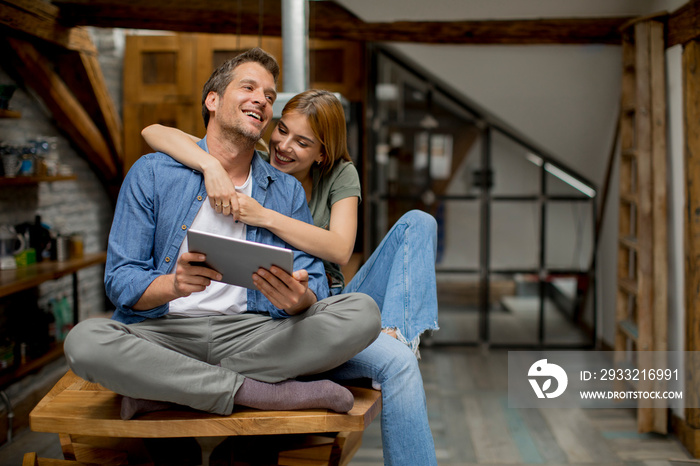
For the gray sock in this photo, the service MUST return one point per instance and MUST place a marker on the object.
(134, 406)
(292, 394)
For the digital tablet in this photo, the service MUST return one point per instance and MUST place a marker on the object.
(236, 260)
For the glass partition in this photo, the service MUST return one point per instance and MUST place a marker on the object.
(515, 226)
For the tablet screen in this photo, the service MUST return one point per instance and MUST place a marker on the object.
(236, 260)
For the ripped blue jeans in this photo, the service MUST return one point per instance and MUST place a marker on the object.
(400, 276)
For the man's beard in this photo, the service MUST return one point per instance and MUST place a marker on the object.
(239, 132)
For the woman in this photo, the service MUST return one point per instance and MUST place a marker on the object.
(309, 143)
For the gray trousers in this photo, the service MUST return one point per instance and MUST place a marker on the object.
(175, 359)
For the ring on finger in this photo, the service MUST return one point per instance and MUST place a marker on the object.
(225, 206)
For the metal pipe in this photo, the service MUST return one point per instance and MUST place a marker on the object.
(295, 45)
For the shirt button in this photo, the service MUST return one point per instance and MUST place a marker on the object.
(167, 259)
(199, 198)
(184, 227)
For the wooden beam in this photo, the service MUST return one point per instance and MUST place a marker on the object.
(328, 20)
(69, 114)
(209, 16)
(34, 18)
(659, 161)
(81, 72)
(110, 119)
(684, 24)
(691, 118)
(516, 32)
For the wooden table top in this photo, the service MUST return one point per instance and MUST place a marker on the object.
(75, 406)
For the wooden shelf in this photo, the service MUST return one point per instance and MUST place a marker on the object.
(15, 373)
(5, 113)
(16, 280)
(27, 180)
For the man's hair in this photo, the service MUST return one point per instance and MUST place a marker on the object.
(222, 76)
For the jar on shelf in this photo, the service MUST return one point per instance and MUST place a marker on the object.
(47, 162)
(76, 245)
(27, 165)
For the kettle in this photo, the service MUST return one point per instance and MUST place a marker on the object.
(11, 243)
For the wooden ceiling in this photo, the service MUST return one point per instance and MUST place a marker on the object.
(327, 20)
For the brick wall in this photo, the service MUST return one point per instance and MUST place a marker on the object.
(80, 206)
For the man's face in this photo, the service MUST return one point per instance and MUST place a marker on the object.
(245, 109)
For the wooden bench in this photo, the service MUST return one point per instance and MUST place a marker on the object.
(31, 459)
(86, 417)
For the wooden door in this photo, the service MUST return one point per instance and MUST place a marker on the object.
(159, 87)
(337, 66)
(164, 77)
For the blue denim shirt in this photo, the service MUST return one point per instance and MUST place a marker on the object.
(158, 202)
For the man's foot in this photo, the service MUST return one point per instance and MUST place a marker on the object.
(292, 394)
(132, 407)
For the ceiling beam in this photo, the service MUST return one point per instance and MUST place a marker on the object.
(329, 20)
(515, 32)
(32, 18)
(70, 115)
(684, 24)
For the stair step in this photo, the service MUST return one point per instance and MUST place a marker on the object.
(629, 242)
(628, 198)
(628, 285)
(629, 328)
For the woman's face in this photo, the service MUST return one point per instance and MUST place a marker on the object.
(293, 146)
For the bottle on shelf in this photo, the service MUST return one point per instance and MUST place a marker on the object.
(7, 352)
(63, 316)
(39, 237)
(51, 321)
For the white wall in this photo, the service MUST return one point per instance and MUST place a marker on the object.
(68, 206)
(455, 10)
(676, 201)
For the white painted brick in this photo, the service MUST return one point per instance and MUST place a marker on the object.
(73, 206)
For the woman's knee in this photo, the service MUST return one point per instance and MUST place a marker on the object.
(420, 221)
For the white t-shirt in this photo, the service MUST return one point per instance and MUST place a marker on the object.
(218, 298)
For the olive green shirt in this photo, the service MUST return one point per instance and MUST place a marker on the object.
(342, 182)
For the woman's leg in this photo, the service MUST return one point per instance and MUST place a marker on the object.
(400, 276)
(406, 435)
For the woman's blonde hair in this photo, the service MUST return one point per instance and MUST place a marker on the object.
(327, 120)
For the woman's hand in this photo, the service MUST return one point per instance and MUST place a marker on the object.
(250, 211)
(220, 189)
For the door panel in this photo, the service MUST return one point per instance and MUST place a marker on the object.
(158, 88)
(164, 77)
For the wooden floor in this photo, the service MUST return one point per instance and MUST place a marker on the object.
(466, 389)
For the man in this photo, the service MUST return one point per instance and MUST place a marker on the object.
(178, 335)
